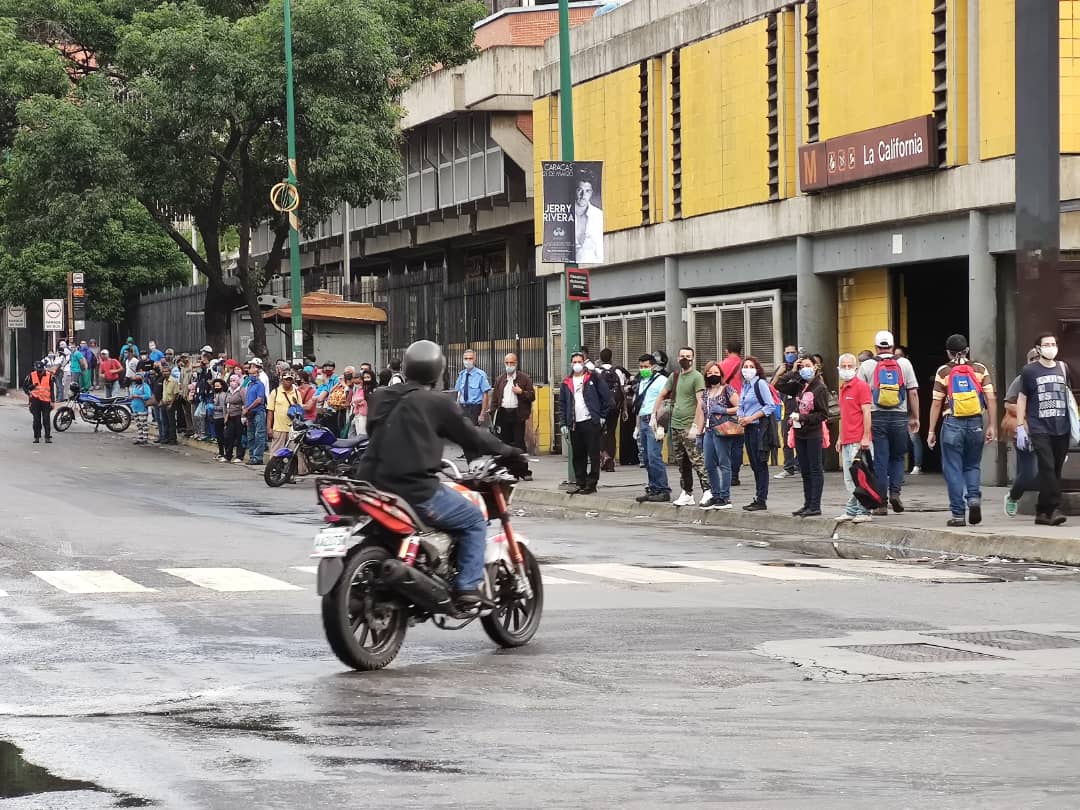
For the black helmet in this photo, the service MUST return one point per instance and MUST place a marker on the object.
(424, 362)
(39, 366)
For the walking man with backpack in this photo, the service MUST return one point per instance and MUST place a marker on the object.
(895, 408)
(615, 379)
(965, 393)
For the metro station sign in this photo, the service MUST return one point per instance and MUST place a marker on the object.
(906, 146)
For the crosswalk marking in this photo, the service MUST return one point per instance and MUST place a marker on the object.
(899, 570)
(3, 594)
(307, 569)
(549, 580)
(230, 579)
(756, 569)
(91, 582)
(635, 574)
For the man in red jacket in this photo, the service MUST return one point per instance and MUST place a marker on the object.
(111, 369)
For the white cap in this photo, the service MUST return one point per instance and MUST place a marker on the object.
(884, 340)
(255, 361)
(207, 349)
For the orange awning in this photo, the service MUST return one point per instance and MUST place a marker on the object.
(324, 306)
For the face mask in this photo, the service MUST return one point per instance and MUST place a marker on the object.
(684, 363)
(511, 369)
(791, 357)
(846, 374)
(714, 379)
(1049, 352)
(749, 373)
(806, 373)
(578, 368)
(348, 376)
(645, 373)
(468, 363)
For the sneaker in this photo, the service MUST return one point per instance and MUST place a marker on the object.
(706, 499)
(643, 498)
(844, 518)
(37, 441)
(897, 504)
(1056, 519)
(881, 511)
(861, 519)
(975, 513)
(684, 499)
(811, 513)
(1012, 508)
(780, 476)
(717, 505)
(798, 512)
(48, 440)
(956, 522)
(915, 471)
(659, 497)
(221, 458)
(755, 506)
(237, 461)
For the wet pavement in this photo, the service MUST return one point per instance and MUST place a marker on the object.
(671, 667)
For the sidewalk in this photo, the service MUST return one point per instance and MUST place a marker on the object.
(919, 530)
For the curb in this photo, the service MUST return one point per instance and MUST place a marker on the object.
(822, 537)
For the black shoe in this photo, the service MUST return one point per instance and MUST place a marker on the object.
(811, 513)
(37, 441)
(48, 440)
(527, 477)
(755, 506)
(799, 512)
(643, 498)
(589, 490)
(469, 600)
(897, 504)
(658, 497)
(578, 489)
(1057, 519)
(956, 523)
(975, 514)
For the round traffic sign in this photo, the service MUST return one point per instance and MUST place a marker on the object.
(53, 310)
(16, 311)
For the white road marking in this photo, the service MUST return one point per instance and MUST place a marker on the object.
(307, 569)
(3, 593)
(898, 570)
(548, 580)
(91, 582)
(635, 574)
(230, 579)
(756, 569)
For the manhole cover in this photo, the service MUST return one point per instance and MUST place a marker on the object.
(1016, 640)
(918, 653)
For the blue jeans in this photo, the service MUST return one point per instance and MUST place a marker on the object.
(256, 436)
(1027, 473)
(889, 430)
(961, 457)
(758, 463)
(166, 424)
(718, 455)
(458, 517)
(735, 445)
(652, 456)
(112, 389)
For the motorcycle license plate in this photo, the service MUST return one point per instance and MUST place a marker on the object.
(331, 542)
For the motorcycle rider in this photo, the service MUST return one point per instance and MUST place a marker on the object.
(408, 425)
(38, 387)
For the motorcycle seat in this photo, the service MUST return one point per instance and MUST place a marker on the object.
(354, 441)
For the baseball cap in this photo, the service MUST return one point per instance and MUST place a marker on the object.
(255, 361)
(884, 339)
(207, 349)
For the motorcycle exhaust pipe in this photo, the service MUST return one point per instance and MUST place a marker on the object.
(416, 586)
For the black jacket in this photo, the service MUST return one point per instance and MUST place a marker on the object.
(813, 406)
(408, 426)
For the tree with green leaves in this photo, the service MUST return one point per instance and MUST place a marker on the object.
(184, 103)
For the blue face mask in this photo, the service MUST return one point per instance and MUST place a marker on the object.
(806, 373)
(790, 358)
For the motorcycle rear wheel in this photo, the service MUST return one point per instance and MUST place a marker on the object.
(364, 633)
(63, 419)
(515, 621)
(278, 471)
(117, 419)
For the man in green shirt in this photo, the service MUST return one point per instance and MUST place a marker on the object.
(684, 388)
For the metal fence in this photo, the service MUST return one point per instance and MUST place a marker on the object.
(172, 318)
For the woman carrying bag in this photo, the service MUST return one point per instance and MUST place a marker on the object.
(808, 424)
(720, 404)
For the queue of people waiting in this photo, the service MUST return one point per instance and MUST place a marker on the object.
(715, 414)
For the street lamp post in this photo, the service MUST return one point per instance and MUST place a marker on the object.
(571, 320)
(294, 219)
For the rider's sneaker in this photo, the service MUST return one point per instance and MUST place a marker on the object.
(468, 600)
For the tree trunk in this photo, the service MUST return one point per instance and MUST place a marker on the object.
(217, 307)
(251, 283)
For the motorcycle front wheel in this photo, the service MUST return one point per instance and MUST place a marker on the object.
(117, 419)
(365, 630)
(63, 419)
(516, 619)
(278, 471)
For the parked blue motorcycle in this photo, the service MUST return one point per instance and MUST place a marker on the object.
(113, 412)
(323, 453)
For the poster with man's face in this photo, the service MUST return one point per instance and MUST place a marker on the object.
(573, 212)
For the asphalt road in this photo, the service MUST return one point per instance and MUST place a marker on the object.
(686, 674)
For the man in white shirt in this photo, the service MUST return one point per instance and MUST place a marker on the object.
(511, 403)
(588, 225)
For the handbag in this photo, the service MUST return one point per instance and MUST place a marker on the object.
(729, 427)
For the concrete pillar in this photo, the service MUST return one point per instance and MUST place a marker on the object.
(983, 334)
(816, 307)
(974, 147)
(675, 335)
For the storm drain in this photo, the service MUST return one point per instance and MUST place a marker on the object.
(1015, 640)
(919, 653)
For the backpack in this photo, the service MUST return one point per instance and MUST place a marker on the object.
(964, 391)
(888, 383)
(611, 377)
(865, 481)
(770, 438)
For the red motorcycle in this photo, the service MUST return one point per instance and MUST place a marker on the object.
(382, 570)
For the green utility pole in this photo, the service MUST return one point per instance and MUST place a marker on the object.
(291, 208)
(571, 327)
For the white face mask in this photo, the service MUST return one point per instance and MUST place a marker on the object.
(749, 373)
(846, 374)
(1049, 352)
(578, 368)
(467, 363)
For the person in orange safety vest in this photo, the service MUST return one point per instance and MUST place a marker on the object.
(38, 385)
